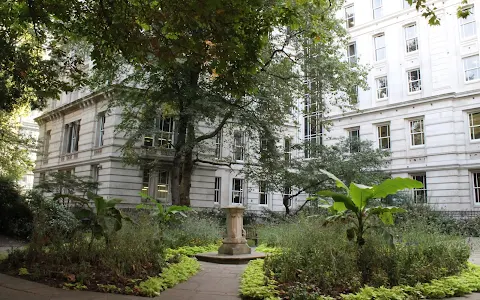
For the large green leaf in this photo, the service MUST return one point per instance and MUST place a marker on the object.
(385, 213)
(360, 194)
(342, 202)
(392, 186)
(338, 182)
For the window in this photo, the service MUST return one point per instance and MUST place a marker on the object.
(420, 195)
(95, 172)
(237, 191)
(354, 137)
(383, 136)
(411, 38)
(238, 145)
(46, 145)
(474, 125)
(41, 177)
(287, 193)
(377, 9)
(471, 67)
(216, 190)
(145, 181)
(100, 129)
(414, 81)
(382, 88)
(352, 53)
(467, 25)
(416, 132)
(350, 16)
(162, 135)
(72, 131)
(162, 185)
(262, 193)
(380, 51)
(476, 186)
(407, 5)
(312, 126)
(218, 145)
(287, 150)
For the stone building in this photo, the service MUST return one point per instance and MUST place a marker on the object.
(424, 98)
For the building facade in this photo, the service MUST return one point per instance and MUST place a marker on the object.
(78, 136)
(424, 98)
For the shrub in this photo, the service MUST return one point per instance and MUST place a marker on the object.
(15, 215)
(192, 250)
(255, 285)
(193, 231)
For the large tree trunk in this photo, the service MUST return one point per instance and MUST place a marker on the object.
(186, 181)
(177, 161)
(285, 203)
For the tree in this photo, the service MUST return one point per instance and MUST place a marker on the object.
(305, 175)
(218, 62)
(15, 146)
(33, 66)
(429, 12)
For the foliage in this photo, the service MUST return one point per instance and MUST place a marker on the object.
(163, 214)
(303, 175)
(265, 249)
(194, 230)
(16, 145)
(354, 208)
(170, 276)
(64, 186)
(255, 285)
(318, 260)
(15, 215)
(192, 250)
(102, 220)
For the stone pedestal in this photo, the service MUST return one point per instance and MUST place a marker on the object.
(235, 242)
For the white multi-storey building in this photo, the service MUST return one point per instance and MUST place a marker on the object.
(424, 98)
(77, 134)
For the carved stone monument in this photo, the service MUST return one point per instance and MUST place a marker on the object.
(235, 242)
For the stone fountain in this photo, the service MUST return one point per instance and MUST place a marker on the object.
(234, 248)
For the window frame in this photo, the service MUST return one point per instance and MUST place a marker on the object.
(465, 70)
(420, 191)
(415, 38)
(312, 127)
(239, 192)
(218, 144)
(72, 137)
(290, 193)
(378, 89)
(382, 138)
(466, 22)
(418, 80)
(101, 119)
(262, 193)
(239, 146)
(217, 187)
(349, 20)
(352, 58)
(377, 49)
(476, 186)
(421, 133)
(351, 137)
(472, 128)
(165, 184)
(377, 10)
(160, 137)
(287, 150)
(46, 145)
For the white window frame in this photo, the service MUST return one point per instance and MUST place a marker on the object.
(262, 193)
(160, 136)
(473, 128)
(287, 150)
(238, 146)
(420, 192)
(146, 181)
(465, 70)
(409, 39)
(351, 137)
(382, 138)
(101, 118)
(349, 20)
(380, 49)
(377, 10)
(237, 193)
(411, 82)
(162, 187)
(352, 58)
(71, 138)
(217, 190)
(476, 186)
(46, 145)
(313, 129)
(414, 133)
(218, 145)
(380, 88)
(469, 21)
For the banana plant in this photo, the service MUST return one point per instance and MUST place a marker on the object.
(162, 213)
(353, 205)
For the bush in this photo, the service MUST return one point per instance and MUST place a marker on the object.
(254, 284)
(15, 215)
(193, 231)
(322, 260)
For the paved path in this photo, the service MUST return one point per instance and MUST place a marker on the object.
(213, 282)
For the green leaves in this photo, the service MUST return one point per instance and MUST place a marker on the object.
(338, 182)
(385, 213)
(392, 186)
(341, 201)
